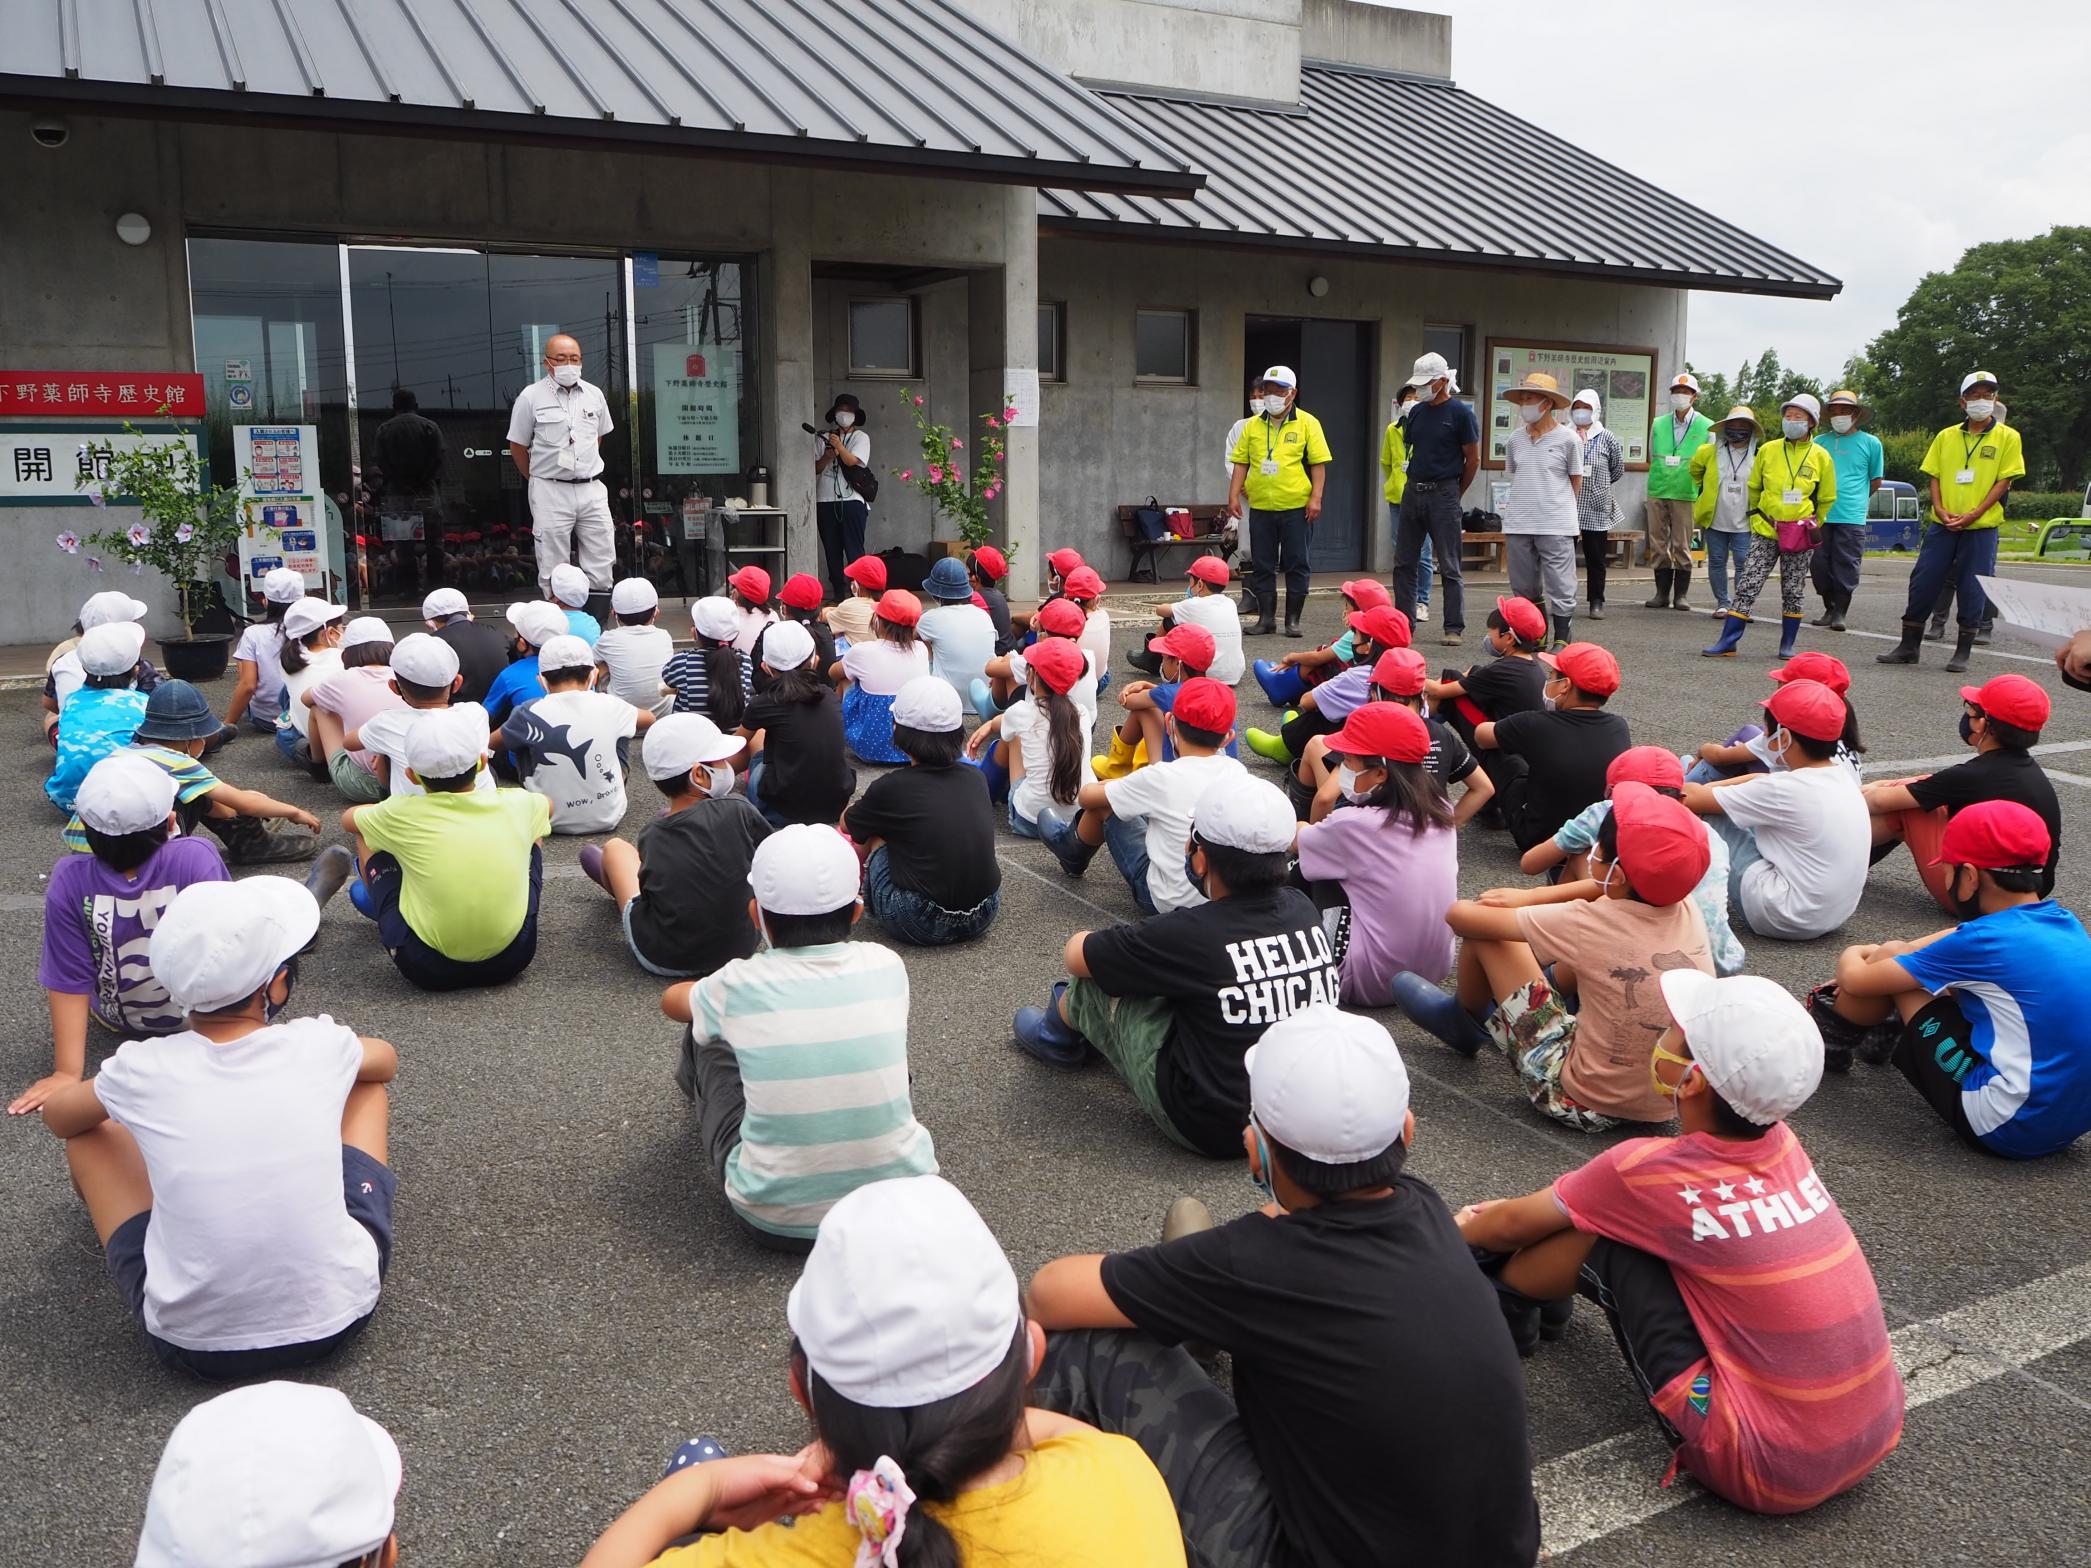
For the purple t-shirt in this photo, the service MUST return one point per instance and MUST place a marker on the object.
(1398, 886)
(1337, 696)
(98, 924)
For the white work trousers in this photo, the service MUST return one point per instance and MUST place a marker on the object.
(557, 512)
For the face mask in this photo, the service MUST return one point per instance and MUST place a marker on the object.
(1796, 429)
(1347, 781)
(1736, 437)
(1842, 423)
(1604, 888)
(844, 418)
(1980, 408)
(1531, 413)
(566, 375)
(718, 780)
(1669, 1091)
(1190, 875)
(1966, 908)
(1681, 402)
(1967, 728)
(270, 1007)
(1581, 416)
(1549, 700)
(1274, 406)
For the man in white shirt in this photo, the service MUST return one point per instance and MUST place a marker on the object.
(555, 434)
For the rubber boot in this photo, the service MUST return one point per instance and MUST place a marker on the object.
(1982, 634)
(1680, 584)
(1661, 599)
(1118, 762)
(1829, 611)
(996, 775)
(1564, 630)
(1789, 633)
(1833, 618)
(1439, 1012)
(1266, 743)
(1936, 631)
(1283, 684)
(1145, 660)
(1730, 639)
(1962, 650)
(1293, 607)
(1907, 650)
(983, 695)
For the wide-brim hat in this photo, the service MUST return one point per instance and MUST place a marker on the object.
(1844, 397)
(1542, 383)
(849, 401)
(1742, 411)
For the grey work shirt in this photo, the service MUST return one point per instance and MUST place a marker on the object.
(1728, 471)
(562, 426)
(1541, 500)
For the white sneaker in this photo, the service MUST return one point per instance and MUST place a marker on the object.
(1422, 612)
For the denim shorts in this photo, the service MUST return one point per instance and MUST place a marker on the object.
(646, 963)
(368, 1186)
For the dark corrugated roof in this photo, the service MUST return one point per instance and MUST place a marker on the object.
(905, 84)
(1406, 167)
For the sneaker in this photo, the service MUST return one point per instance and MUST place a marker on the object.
(1422, 613)
(270, 847)
(330, 873)
(1554, 1317)
(1185, 1216)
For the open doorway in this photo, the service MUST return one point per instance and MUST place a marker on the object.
(1334, 363)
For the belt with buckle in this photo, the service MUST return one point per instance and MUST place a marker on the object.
(561, 479)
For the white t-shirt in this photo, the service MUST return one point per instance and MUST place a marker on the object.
(567, 744)
(385, 735)
(832, 486)
(1234, 435)
(1083, 691)
(251, 1243)
(1815, 835)
(67, 674)
(320, 664)
(752, 624)
(1024, 726)
(961, 640)
(634, 656)
(261, 645)
(883, 667)
(1096, 638)
(1165, 793)
(1217, 613)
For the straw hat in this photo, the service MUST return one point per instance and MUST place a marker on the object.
(1742, 411)
(1844, 397)
(1542, 383)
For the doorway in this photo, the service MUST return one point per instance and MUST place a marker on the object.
(1334, 363)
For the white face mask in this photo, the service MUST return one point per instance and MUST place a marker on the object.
(1274, 404)
(1581, 416)
(1347, 781)
(1681, 401)
(1605, 887)
(1795, 429)
(1550, 702)
(1531, 413)
(1761, 747)
(1842, 423)
(844, 418)
(566, 375)
(1980, 408)
(718, 780)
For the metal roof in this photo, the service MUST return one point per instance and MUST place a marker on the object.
(906, 84)
(1401, 166)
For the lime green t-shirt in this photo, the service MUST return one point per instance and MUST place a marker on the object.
(1290, 449)
(1985, 457)
(465, 863)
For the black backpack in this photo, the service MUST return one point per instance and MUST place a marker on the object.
(1151, 520)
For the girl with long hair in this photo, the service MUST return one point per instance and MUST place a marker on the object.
(872, 673)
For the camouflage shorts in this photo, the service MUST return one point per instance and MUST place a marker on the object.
(1534, 1030)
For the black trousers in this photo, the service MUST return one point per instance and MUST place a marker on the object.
(1596, 541)
(1278, 543)
(1837, 561)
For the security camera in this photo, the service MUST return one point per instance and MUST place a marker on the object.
(50, 133)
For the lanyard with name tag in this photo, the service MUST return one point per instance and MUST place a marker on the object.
(1966, 476)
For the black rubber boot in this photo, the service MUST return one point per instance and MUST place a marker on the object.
(1661, 599)
(1962, 650)
(1292, 616)
(1840, 1036)
(1680, 584)
(1936, 631)
(1833, 618)
(1907, 650)
(1564, 630)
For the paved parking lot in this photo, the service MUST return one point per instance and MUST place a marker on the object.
(569, 1299)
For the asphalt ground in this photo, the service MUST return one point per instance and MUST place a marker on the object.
(569, 1299)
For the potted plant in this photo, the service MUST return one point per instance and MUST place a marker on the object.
(189, 525)
(954, 494)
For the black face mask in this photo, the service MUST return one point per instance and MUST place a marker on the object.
(1967, 728)
(1190, 874)
(1965, 908)
(271, 1009)
(1736, 437)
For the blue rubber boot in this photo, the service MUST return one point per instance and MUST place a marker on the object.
(997, 775)
(1283, 685)
(1789, 633)
(1042, 1033)
(1730, 640)
(983, 697)
(1423, 1003)
(1056, 827)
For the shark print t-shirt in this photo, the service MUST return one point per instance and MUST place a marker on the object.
(570, 748)
(1617, 950)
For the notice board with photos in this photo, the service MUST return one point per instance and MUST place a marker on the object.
(1623, 377)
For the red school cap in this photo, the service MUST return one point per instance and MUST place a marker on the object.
(1808, 708)
(1650, 765)
(1210, 569)
(1383, 729)
(1084, 582)
(869, 570)
(1064, 561)
(753, 582)
(801, 591)
(1204, 704)
(1401, 671)
(1060, 618)
(2011, 699)
(1527, 622)
(990, 563)
(1365, 592)
(1385, 625)
(1589, 666)
(1995, 834)
(1813, 666)
(1058, 662)
(1663, 849)
(1194, 645)
(898, 607)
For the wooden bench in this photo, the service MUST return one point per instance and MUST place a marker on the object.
(1486, 552)
(1214, 537)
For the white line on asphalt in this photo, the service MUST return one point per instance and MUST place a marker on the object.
(1926, 764)
(1060, 886)
(1993, 653)
(1611, 1486)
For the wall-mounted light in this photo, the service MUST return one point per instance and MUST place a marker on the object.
(1318, 285)
(134, 228)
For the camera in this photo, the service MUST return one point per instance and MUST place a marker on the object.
(49, 132)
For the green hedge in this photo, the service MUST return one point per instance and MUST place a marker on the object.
(2039, 505)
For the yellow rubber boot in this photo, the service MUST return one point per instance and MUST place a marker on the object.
(1120, 761)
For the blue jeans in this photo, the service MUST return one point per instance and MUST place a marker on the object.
(1956, 557)
(1722, 550)
(770, 814)
(1705, 772)
(915, 919)
(1126, 838)
(1743, 853)
(1426, 563)
(1021, 825)
(293, 746)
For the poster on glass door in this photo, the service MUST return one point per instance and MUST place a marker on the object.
(283, 522)
(696, 409)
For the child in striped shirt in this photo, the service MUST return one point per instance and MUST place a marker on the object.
(798, 1057)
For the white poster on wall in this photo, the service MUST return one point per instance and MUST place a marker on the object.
(1021, 388)
(696, 409)
(282, 520)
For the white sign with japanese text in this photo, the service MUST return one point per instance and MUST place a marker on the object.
(696, 409)
(43, 466)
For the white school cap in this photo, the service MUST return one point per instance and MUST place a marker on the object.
(716, 618)
(675, 745)
(424, 659)
(1329, 1085)
(444, 742)
(109, 605)
(1245, 813)
(565, 652)
(1976, 378)
(906, 1298)
(786, 646)
(536, 621)
(1281, 375)
(275, 1475)
(283, 585)
(1757, 1046)
(308, 615)
(365, 628)
(110, 648)
(123, 793)
(929, 702)
(633, 596)
(444, 601)
(219, 942)
(804, 869)
(569, 585)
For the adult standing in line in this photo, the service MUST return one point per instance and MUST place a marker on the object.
(1722, 470)
(1971, 465)
(555, 434)
(1604, 460)
(1860, 466)
(1444, 447)
(1672, 440)
(410, 459)
(1793, 485)
(1544, 459)
(841, 512)
(1280, 464)
(1394, 478)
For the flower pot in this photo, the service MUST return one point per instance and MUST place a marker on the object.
(937, 549)
(195, 658)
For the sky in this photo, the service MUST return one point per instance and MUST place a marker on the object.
(1957, 123)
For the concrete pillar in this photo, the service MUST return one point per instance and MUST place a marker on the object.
(1002, 334)
(790, 397)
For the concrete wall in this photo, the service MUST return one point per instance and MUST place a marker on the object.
(1109, 441)
(1380, 36)
(1216, 48)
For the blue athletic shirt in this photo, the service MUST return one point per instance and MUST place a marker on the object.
(2017, 975)
(1164, 695)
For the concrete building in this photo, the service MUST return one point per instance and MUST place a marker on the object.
(317, 204)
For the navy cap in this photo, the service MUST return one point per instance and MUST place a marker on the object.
(177, 711)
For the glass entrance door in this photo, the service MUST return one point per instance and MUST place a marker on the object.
(444, 340)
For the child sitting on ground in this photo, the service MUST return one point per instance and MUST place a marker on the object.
(347, 700)
(798, 763)
(1037, 750)
(1085, 586)
(1985, 1019)
(1512, 681)
(1798, 837)
(104, 713)
(1602, 941)
(1398, 676)
(959, 634)
(2002, 719)
(988, 569)
(311, 653)
(749, 591)
(927, 832)
(633, 653)
(1284, 679)
(1551, 764)
(99, 912)
(799, 602)
(851, 619)
(1145, 818)
(1184, 653)
(62, 672)
(1205, 605)
(1744, 751)
(911, 1355)
(482, 650)
(691, 862)
(1005, 672)
(534, 623)
(1565, 858)
(452, 875)
(1323, 709)
(257, 685)
(712, 677)
(1058, 565)
(1387, 860)
(1744, 1308)
(274, 1473)
(872, 672)
(1377, 1415)
(569, 591)
(1172, 1003)
(426, 676)
(791, 1114)
(235, 1172)
(570, 744)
